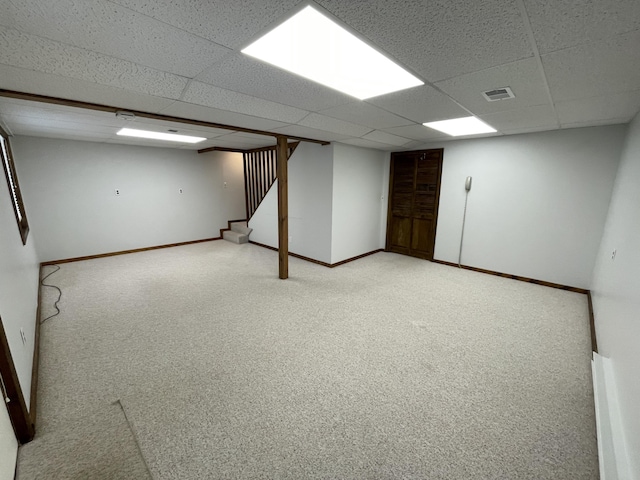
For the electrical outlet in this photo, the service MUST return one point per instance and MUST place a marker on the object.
(24, 337)
(613, 254)
(117, 191)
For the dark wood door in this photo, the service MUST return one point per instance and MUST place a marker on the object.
(414, 190)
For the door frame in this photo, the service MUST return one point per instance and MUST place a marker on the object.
(17, 407)
(437, 202)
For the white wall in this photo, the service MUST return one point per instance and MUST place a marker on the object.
(616, 291)
(69, 193)
(358, 192)
(310, 175)
(19, 270)
(538, 203)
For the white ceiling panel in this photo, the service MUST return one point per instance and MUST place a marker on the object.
(420, 104)
(54, 124)
(116, 31)
(595, 69)
(216, 97)
(387, 138)
(322, 122)
(52, 132)
(141, 54)
(443, 38)
(363, 142)
(566, 23)
(366, 114)
(216, 115)
(523, 118)
(619, 107)
(232, 24)
(244, 74)
(523, 77)
(29, 81)
(417, 132)
(307, 132)
(36, 53)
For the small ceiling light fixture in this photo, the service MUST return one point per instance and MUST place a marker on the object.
(171, 137)
(457, 127)
(315, 47)
(124, 115)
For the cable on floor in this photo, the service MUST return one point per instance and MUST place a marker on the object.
(55, 305)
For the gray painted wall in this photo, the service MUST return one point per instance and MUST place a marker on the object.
(538, 203)
(19, 269)
(69, 194)
(310, 174)
(616, 291)
(358, 201)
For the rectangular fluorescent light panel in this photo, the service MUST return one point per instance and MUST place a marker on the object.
(457, 127)
(171, 137)
(315, 47)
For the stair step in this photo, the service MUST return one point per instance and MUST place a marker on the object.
(235, 237)
(240, 227)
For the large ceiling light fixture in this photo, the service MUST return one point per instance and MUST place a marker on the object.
(171, 137)
(313, 46)
(457, 127)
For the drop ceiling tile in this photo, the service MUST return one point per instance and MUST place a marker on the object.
(29, 81)
(39, 123)
(51, 132)
(113, 30)
(241, 73)
(322, 122)
(36, 53)
(439, 39)
(245, 139)
(417, 132)
(615, 108)
(387, 138)
(540, 116)
(595, 69)
(32, 110)
(362, 142)
(216, 97)
(363, 113)
(523, 77)
(420, 104)
(306, 132)
(232, 24)
(567, 23)
(216, 115)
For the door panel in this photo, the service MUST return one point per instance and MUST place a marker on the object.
(401, 235)
(413, 202)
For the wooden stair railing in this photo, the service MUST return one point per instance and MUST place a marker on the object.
(259, 175)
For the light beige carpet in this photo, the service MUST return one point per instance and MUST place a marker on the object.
(388, 367)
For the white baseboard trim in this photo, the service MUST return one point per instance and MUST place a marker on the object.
(612, 450)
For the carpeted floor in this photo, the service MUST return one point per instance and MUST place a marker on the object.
(387, 367)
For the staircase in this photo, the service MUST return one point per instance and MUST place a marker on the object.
(238, 232)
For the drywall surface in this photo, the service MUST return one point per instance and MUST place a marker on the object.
(69, 189)
(19, 270)
(310, 176)
(358, 193)
(616, 291)
(538, 203)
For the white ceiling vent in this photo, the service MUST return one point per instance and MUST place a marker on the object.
(498, 94)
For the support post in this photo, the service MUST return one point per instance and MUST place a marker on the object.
(283, 207)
